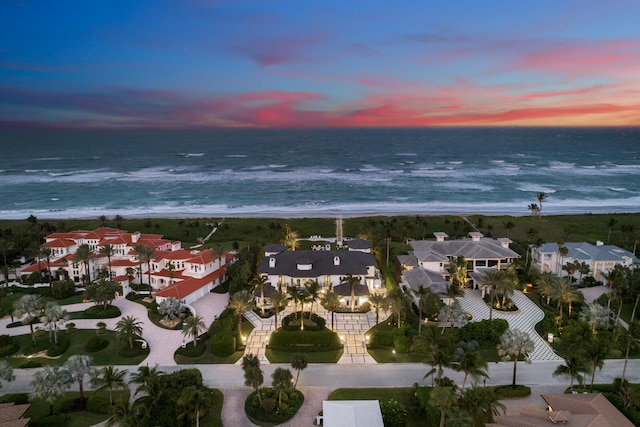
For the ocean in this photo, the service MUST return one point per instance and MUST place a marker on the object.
(326, 172)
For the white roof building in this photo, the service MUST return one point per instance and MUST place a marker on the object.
(351, 413)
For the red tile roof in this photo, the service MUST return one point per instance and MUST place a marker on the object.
(59, 243)
(188, 286)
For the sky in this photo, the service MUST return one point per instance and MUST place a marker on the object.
(316, 64)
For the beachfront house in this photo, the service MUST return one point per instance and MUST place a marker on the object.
(427, 264)
(187, 275)
(283, 269)
(601, 258)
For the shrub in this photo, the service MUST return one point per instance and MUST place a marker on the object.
(17, 398)
(31, 364)
(286, 340)
(59, 349)
(56, 420)
(268, 405)
(95, 343)
(401, 344)
(63, 289)
(311, 323)
(507, 391)
(223, 344)
(486, 332)
(394, 413)
(7, 346)
(98, 404)
(97, 312)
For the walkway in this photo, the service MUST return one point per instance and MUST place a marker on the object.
(350, 327)
(525, 320)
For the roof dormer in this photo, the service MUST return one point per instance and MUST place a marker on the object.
(304, 264)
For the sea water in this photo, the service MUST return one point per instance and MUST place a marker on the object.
(326, 172)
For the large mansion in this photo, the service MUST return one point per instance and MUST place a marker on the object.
(284, 268)
(428, 263)
(601, 258)
(174, 272)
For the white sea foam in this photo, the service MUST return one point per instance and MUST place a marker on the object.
(240, 156)
(535, 188)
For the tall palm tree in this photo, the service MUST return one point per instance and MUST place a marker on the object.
(50, 383)
(79, 366)
(513, 344)
(533, 207)
(379, 302)
(46, 254)
(353, 282)
(493, 278)
(595, 351)
(253, 375)
(482, 404)
(259, 282)
(398, 303)
(313, 291)
(278, 298)
(193, 326)
(422, 294)
(573, 367)
(145, 254)
(108, 250)
(545, 285)
(83, 256)
(171, 267)
(125, 414)
(240, 302)
(28, 306)
(195, 401)
(597, 316)
(443, 398)
(331, 302)
(471, 363)
(438, 357)
(109, 378)
(541, 198)
(281, 382)
(564, 293)
(145, 375)
(458, 271)
(53, 316)
(299, 363)
(610, 224)
(128, 329)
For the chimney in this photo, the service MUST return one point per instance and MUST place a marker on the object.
(475, 236)
(440, 236)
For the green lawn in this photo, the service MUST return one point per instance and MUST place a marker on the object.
(208, 358)
(385, 355)
(12, 294)
(107, 356)
(275, 356)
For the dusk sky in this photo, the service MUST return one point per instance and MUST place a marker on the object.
(219, 63)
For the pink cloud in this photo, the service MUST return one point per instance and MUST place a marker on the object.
(269, 51)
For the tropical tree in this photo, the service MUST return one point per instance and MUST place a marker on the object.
(513, 344)
(79, 366)
(83, 256)
(299, 363)
(240, 302)
(453, 291)
(50, 383)
(458, 271)
(46, 254)
(129, 329)
(397, 303)
(171, 267)
(125, 414)
(102, 292)
(545, 285)
(28, 306)
(482, 404)
(379, 302)
(583, 268)
(145, 254)
(353, 282)
(507, 285)
(108, 250)
(541, 198)
(595, 351)
(278, 298)
(281, 381)
(170, 308)
(574, 366)
(444, 398)
(331, 301)
(610, 224)
(291, 238)
(533, 207)
(492, 278)
(145, 376)
(195, 401)
(422, 294)
(253, 375)
(564, 293)
(53, 317)
(312, 288)
(296, 294)
(5, 247)
(6, 372)
(438, 358)
(598, 316)
(193, 326)
(259, 282)
(471, 362)
(109, 378)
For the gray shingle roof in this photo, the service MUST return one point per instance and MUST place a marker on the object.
(484, 248)
(429, 279)
(322, 263)
(586, 251)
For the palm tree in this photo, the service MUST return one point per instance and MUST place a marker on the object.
(471, 363)
(458, 271)
(145, 254)
(564, 293)
(78, 366)
(193, 326)
(595, 351)
(508, 225)
(493, 278)
(171, 267)
(240, 302)
(573, 367)
(610, 224)
(259, 282)
(398, 303)
(482, 404)
(278, 298)
(379, 302)
(53, 315)
(513, 344)
(353, 282)
(145, 376)
(583, 268)
(453, 291)
(541, 197)
(253, 375)
(6, 372)
(443, 398)
(296, 295)
(196, 401)
(597, 316)
(50, 383)
(313, 291)
(83, 256)
(281, 381)
(46, 254)
(291, 238)
(108, 250)
(125, 414)
(422, 294)
(533, 207)
(109, 378)
(438, 357)
(299, 363)
(29, 306)
(545, 284)
(128, 329)
(331, 302)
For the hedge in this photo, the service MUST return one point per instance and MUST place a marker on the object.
(486, 332)
(95, 343)
(386, 338)
(286, 340)
(223, 344)
(63, 289)
(97, 312)
(507, 391)
(313, 322)
(190, 351)
(98, 404)
(62, 346)
(7, 346)
(56, 420)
